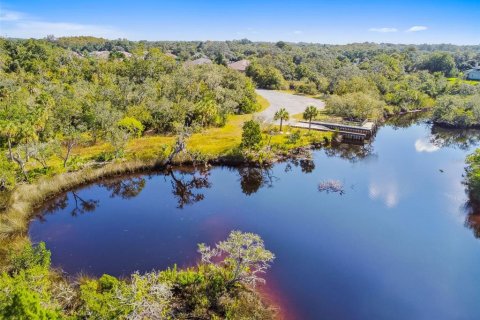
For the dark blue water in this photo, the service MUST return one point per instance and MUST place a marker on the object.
(397, 243)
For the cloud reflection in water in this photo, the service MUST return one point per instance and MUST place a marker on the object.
(425, 145)
(387, 191)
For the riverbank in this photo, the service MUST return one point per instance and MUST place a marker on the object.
(383, 196)
(23, 200)
(26, 197)
(91, 163)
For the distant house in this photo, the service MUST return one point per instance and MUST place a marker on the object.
(198, 62)
(100, 54)
(473, 74)
(75, 54)
(241, 65)
(171, 55)
(106, 54)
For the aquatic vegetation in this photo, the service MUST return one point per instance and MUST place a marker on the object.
(331, 186)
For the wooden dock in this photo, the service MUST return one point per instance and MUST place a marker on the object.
(357, 133)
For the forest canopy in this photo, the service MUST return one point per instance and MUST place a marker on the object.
(57, 94)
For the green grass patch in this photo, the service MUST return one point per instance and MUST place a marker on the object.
(459, 80)
(322, 116)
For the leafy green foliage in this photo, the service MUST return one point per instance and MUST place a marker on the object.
(357, 105)
(457, 111)
(473, 174)
(53, 101)
(440, 62)
(251, 134)
(7, 174)
(293, 137)
(26, 290)
(29, 289)
(132, 126)
(267, 76)
(31, 257)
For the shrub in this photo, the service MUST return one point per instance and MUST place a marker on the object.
(244, 254)
(293, 137)
(26, 289)
(31, 256)
(7, 174)
(132, 126)
(251, 134)
(457, 111)
(473, 174)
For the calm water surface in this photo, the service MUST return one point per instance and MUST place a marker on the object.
(397, 244)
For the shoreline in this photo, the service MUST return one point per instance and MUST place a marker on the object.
(26, 198)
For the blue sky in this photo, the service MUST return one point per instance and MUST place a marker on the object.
(322, 21)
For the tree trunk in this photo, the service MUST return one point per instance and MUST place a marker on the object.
(310, 124)
(21, 164)
(27, 156)
(281, 122)
(179, 147)
(10, 152)
(69, 149)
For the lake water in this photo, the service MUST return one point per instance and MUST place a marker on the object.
(397, 243)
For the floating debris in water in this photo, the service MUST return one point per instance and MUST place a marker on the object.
(331, 186)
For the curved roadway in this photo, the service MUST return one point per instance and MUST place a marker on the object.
(294, 104)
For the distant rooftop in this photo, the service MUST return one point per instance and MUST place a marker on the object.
(171, 55)
(239, 65)
(106, 54)
(198, 62)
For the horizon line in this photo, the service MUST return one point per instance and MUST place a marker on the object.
(256, 41)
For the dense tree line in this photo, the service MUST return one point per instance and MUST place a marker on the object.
(396, 78)
(390, 78)
(55, 95)
(52, 100)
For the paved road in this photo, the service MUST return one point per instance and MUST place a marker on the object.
(293, 103)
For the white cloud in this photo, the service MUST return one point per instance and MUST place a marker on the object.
(6, 15)
(424, 145)
(297, 32)
(417, 28)
(383, 30)
(19, 25)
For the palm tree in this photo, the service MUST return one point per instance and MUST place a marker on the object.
(281, 115)
(310, 113)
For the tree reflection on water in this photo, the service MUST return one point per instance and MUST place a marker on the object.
(462, 139)
(185, 185)
(472, 219)
(125, 188)
(81, 205)
(351, 152)
(254, 178)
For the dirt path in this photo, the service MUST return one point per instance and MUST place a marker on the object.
(293, 103)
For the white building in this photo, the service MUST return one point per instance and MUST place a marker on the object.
(473, 74)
